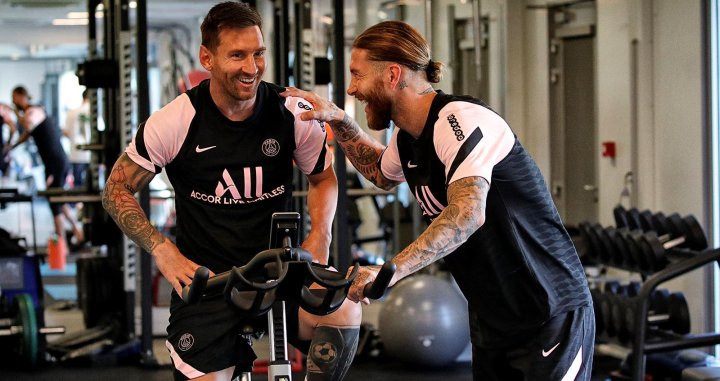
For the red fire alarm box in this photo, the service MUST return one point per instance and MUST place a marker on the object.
(608, 149)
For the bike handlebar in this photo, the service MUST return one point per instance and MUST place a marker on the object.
(260, 267)
(377, 288)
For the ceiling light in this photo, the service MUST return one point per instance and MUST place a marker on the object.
(70, 22)
(77, 15)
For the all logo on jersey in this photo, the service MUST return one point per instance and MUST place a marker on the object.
(429, 204)
(270, 147)
(456, 127)
(229, 191)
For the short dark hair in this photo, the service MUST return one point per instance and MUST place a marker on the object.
(21, 90)
(230, 14)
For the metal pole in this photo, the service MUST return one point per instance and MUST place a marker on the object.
(147, 357)
(342, 234)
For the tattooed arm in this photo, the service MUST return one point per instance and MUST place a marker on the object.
(119, 201)
(362, 150)
(462, 217)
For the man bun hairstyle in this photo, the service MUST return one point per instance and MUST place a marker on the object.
(434, 71)
(397, 41)
(229, 14)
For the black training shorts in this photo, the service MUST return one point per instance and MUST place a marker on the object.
(561, 350)
(206, 337)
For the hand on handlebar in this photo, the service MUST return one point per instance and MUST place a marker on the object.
(177, 269)
(366, 275)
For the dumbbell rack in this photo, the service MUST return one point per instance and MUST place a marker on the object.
(641, 346)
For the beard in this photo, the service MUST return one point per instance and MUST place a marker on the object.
(233, 89)
(378, 111)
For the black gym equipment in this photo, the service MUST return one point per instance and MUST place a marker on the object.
(659, 247)
(277, 275)
(655, 252)
(647, 244)
(668, 312)
(21, 333)
(642, 342)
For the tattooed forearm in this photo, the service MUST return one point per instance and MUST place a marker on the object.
(362, 151)
(463, 216)
(345, 129)
(121, 205)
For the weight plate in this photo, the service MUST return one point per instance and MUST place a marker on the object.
(660, 222)
(694, 235)
(633, 217)
(679, 313)
(28, 342)
(646, 221)
(675, 224)
(620, 215)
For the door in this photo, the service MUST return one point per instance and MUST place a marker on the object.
(572, 102)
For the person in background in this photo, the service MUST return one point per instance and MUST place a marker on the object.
(33, 122)
(77, 130)
(5, 138)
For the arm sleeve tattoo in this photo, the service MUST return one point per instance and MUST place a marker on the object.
(463, 216)
(120, 203)
(362, 150)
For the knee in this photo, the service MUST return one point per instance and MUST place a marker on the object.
(349, 314)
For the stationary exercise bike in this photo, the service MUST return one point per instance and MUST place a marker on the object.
(274, 276)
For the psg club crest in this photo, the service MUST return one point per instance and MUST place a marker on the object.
(270, 147)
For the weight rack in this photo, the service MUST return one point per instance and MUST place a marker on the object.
(641, 344)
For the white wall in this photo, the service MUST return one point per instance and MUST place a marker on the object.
(27, 73)
(678, 125)
(665, 115)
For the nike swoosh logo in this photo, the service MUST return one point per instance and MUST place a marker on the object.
(548, 352)
(411, 165)
(198, 149)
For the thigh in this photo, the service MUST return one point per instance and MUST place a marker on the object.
(205, 338)
(562, 349)
(293, 322)
(492, 365)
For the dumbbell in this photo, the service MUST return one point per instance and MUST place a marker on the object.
(612, 292)
(593, 250)
(620, 214)
(596, 295)
(618, 252)
(655, 248)
(617, 310)
(597, 249)
(667, 312)
(627, 248)
(633, 219)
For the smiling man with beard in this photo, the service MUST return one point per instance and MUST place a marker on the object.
(490, 215)
(228, 146)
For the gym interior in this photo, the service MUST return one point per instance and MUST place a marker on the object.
(616, 101)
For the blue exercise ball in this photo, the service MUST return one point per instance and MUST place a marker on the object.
(424, 321)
